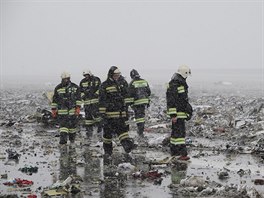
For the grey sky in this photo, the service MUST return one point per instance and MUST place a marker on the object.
(40, 39)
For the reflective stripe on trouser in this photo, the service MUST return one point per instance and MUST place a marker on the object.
(114, 126)
(107, 141)
(116, 114)
(123, 136)
(140, 120)
(89, 122)
(177, 141)
(63, 130)
(66, 111)
(73, 130)
(139, 113)
(141, 101)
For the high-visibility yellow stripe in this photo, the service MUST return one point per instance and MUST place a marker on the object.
(63, 130)
(71, 111)
(181, 115)
(78, 102)
(140, 83)
(54, 105)
(115, 114)
(172, 111)
(61, 90)
(107, 141)
(141, 101)
(123, 136)
(85, 84)
(177, 141)
(91, 101)
(63, 112)
(111, 89)
(89, 122)
(72, 130)
(129, 100)
(102, 109)
(140, 120)
(181, 89)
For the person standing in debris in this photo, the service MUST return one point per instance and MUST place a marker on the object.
(179, 109)
(66, 104)
(139, 93)
(89, 87)
(113, 110)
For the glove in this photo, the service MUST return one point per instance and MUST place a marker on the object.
(54, 113)
(77, 111)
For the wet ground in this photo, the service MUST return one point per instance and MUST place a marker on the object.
(226, 156)
(38, 147)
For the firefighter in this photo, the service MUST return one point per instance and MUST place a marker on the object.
(139, 93)
(179, 110)
(66, 104)
(113, 110)
(89, 87)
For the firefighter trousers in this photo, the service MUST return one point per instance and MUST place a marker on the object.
(140, 118)
(116, 126)
(177, 140)
(68, 127)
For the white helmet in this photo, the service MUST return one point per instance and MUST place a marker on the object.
(184, 71)
(85, 72)
(117, 71)
(65, 75)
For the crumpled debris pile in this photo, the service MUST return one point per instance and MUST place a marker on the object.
(71, 185)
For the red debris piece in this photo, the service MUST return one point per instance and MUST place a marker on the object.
(149, 175)
(19, 182)
(32, 196)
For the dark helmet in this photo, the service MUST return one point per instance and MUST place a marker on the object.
(134, 73)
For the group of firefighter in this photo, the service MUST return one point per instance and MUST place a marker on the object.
(106, 107)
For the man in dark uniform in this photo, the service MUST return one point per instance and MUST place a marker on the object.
(66, 105)
(139, 93)
(113, 109)
(89, 87)
(179, 110)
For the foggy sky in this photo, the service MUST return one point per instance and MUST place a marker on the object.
(40, 39)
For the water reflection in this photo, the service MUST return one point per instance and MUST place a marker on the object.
(178, 172)
(67, 162)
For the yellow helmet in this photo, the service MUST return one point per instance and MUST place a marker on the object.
(184, 71)
(65, 75)
(87, 72)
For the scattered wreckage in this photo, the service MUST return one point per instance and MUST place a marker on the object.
(225, 139)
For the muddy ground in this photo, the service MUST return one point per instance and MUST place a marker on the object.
(225, 137)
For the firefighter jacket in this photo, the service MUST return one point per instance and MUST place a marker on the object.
(90, 90)
(139, 91)
(66, 98)
(112, 96)
(177, 98)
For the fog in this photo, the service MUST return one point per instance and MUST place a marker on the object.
(40, 39)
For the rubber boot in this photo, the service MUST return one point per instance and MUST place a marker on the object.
(72, 137)
(140, 129)
(63, 138)
(89, 131)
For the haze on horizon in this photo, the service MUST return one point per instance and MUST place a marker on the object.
(40, 39)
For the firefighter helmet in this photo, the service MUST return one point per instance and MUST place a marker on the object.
(65, 75)
(134, 73)
(116, 71)
(184, 71)
(87, 72)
